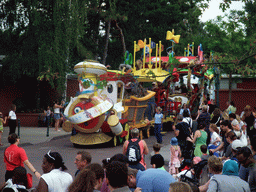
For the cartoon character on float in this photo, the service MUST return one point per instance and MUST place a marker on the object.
(86, 113)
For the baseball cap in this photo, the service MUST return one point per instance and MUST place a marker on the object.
(237, 144)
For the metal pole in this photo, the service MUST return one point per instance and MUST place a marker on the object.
(47, 132)
(18, 127)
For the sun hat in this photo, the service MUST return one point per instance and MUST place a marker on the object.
(174, 141)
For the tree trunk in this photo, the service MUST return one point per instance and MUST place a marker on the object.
(122, 38)
(106, 44)
(230, 86)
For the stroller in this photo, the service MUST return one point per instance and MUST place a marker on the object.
(198, 169)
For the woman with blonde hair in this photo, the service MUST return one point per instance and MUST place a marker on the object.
(180, 186)
(249, 119)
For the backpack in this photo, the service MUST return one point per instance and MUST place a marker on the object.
(133, 152)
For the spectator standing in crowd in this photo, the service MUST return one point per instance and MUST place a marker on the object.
(139, 148)
(204, 118)
(156, 148)
(175, 156)
(12, 119)
(230, 137)
(244, 172)
(225, 127)
(194, 124)
(18, 182)
(199, 139)
(54, 178)
(15, 156)
(187, 119)
(182, 131)
(215, 138)
(158, 124)
(205, 155)
(216, 117)
(82, 160)
(2, 122)
(225, 177)
(157, 161)
(184, 107)
(180, 186)
(117, 176)
(235, 124)
(154, 180)
(245, 158)
(57, 115)
(231, 107)
(84, 182)
(99, 173)
(249, 119)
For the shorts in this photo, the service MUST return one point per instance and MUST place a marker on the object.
(56, 116)
(1, 129)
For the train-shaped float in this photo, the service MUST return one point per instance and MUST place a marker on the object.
(112, 102)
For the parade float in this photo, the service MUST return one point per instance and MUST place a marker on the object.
(100, 114)
(168, 71)
(112, 102)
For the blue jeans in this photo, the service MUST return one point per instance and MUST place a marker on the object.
(158, 134)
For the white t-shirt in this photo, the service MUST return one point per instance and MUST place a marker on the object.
(214, 138)
(56, 110)
(235, 122)
(12, 115)
(57, 180)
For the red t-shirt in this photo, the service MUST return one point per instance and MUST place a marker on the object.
(14, 156)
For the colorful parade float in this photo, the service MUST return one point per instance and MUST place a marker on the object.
(112, 102)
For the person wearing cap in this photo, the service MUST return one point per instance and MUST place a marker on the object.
(245, 158)
(54, 178)
(157, 161)
(225, 176)
(143, 149)
(236, 144)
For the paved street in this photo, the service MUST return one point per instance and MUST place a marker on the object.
(36, 145)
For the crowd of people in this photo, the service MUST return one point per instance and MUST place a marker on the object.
(208, 153)
(223, 138)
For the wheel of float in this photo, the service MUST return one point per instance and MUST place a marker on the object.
(127, 128)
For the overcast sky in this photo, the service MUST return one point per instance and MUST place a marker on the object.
(213, 11)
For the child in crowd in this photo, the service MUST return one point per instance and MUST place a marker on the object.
(156, 148)
(2, 122)
(175, 152)
(205, 155)
(215, 138)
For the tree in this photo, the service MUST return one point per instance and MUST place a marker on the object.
(42, 39)
(231, 46)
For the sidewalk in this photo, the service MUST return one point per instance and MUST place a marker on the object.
(33, 135)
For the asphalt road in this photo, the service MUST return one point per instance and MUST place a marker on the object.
(63, 145)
